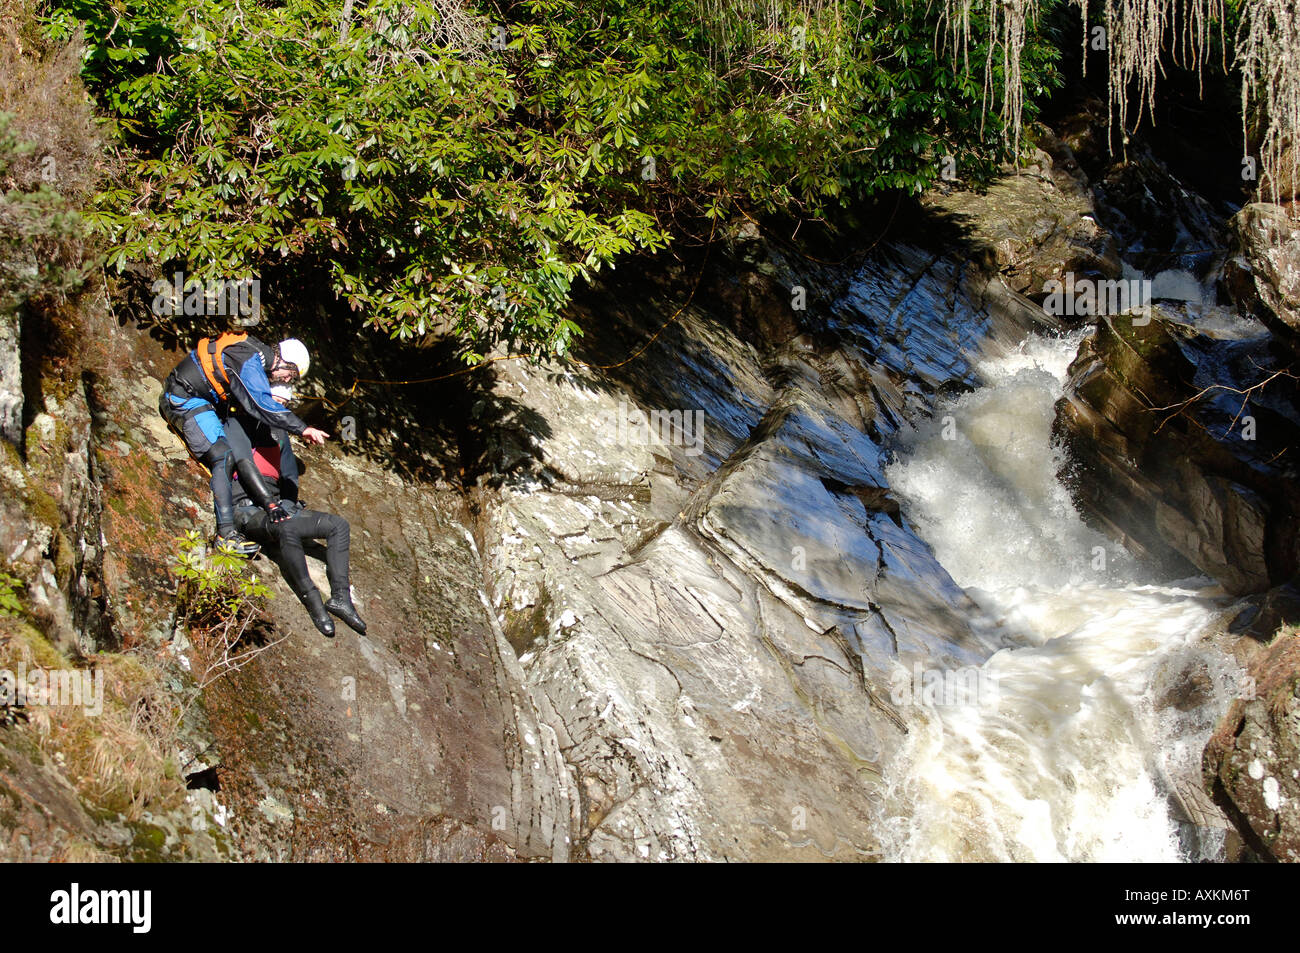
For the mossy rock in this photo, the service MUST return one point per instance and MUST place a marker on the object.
(42, 507)
(65, 561)
(1146, 358)
(43, 652)
(527, 627)
(149, 843)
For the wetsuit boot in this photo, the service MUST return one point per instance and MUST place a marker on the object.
(341, 606)
(316, 609)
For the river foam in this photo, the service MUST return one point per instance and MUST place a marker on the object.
(1106, 689)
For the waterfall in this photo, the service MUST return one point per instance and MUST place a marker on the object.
(1105, 689)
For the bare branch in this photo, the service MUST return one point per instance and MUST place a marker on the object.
(1245, 393)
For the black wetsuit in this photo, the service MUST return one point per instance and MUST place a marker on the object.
(285, 541)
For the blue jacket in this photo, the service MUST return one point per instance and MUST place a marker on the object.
(245, 365)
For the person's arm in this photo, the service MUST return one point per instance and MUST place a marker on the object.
(288, 468)
(252, 390)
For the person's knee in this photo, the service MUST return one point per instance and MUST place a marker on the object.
(219, 459)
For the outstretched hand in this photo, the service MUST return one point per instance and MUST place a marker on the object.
(314, 436)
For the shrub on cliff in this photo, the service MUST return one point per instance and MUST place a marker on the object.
(48, 162)
(449, 167)
(222, 608)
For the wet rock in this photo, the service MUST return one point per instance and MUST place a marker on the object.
(1158, 221)
(674, 711)
(758, 300)
(1264, 272)
(1260, 616)
(1036, 225)
(1252, 762)
(1169, 457)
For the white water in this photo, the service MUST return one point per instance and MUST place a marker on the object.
(1072, 759)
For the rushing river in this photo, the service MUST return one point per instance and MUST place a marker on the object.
(1105, 690)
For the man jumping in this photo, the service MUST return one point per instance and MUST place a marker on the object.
(198, 398)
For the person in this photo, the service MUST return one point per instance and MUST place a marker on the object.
(283, 540)
(220, 374)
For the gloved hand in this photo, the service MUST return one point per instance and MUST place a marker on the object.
(277, 513)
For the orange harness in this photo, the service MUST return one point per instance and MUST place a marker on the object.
(209, 352)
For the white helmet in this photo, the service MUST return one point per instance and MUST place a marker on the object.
(295, 352)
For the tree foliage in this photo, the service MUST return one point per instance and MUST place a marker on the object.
(446, 168)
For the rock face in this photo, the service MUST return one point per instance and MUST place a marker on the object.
(1264, 272)
(708, 625)
(1186, 480)
(1253, 760)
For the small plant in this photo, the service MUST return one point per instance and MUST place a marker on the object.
(9, 589)
(223, 607)
(215, 585)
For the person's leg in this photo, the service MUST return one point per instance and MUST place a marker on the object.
(313, 524)
(237, 436)
(287, 551)
(337, 545)
(252, 522)
(289, 544)
(219, 459)
(250, 478)
(197, 424)
(338, 540)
